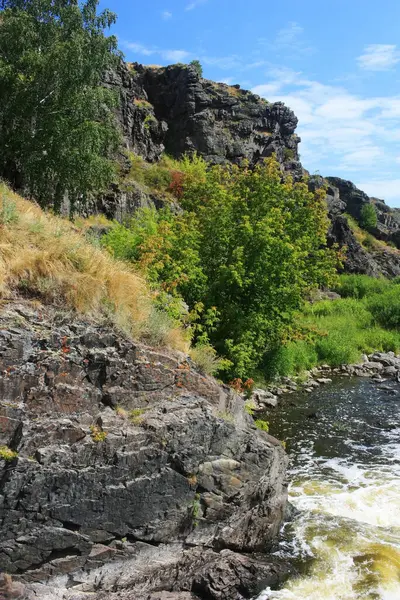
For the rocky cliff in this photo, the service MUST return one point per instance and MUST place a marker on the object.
(124, 472)
(373, 254)
(171, 109)
(175, 110)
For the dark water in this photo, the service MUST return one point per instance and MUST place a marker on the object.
(344, 445)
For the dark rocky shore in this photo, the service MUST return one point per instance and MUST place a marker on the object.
(379, 367)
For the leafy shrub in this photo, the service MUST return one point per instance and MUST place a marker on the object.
(157, 177)
(263, 247)
(176, 185)
(197, 66)
(360, 286)
(385, 307)
(262, 425)
(288, 154)
(7, 454)
(97, 434)
(368, 217)
(242, 255)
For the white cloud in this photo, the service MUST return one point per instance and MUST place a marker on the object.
(195, 4)
(175, 55)
(168, 55)
(223, 62)
(288, 35)
(288, 39)
(340, 131)
(379, 57)
(139, 48)
(266, 89)
(388, 189)
(166, 15)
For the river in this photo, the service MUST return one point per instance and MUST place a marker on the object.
(344, 445)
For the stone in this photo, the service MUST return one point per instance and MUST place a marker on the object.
(154, 505)
(265, 398)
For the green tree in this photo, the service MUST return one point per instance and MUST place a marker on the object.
(368, 217)
(263, 248)
(243, 255)
(57, 125)
(198, 67)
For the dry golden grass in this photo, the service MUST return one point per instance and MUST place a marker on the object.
(46, 256)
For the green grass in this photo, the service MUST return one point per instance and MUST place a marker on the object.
(366, 319)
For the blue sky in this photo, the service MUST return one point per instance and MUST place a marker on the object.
(336, 63)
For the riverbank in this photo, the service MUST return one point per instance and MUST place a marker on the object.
(379, 366)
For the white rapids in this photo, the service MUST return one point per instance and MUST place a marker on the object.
(349, 521)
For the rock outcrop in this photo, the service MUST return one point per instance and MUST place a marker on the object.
(378, 259)
(124, 472)
(173, 109)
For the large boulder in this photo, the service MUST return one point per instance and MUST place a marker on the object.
(129, 470)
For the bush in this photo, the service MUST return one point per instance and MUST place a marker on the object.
(157, 177)
(290, 359)
(207, 360)
(197, 66)
(385, 307)
(368, 217)
(337, 349)
(7, 454)
(360, 286)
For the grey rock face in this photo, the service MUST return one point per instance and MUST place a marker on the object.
(101, 499)
(344, 197)
(222, 123)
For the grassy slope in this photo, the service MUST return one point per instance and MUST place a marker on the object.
(364, 320)
(47, 257)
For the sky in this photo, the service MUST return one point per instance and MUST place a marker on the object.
(335, 63)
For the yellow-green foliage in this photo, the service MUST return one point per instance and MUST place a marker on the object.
(136, 416)
(7, 454)
(263, 425)
(366, 239)
(207, 360)
(142, 103)
(46, 256)
(242, 255)
(97, 434)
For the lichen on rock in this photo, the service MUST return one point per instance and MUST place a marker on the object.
(114, 515)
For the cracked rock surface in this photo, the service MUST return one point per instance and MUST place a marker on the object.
(135, 476)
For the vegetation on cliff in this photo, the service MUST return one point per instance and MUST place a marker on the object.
(242, 255)
(46, 257)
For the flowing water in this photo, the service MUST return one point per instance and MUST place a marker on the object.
(344, 444)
